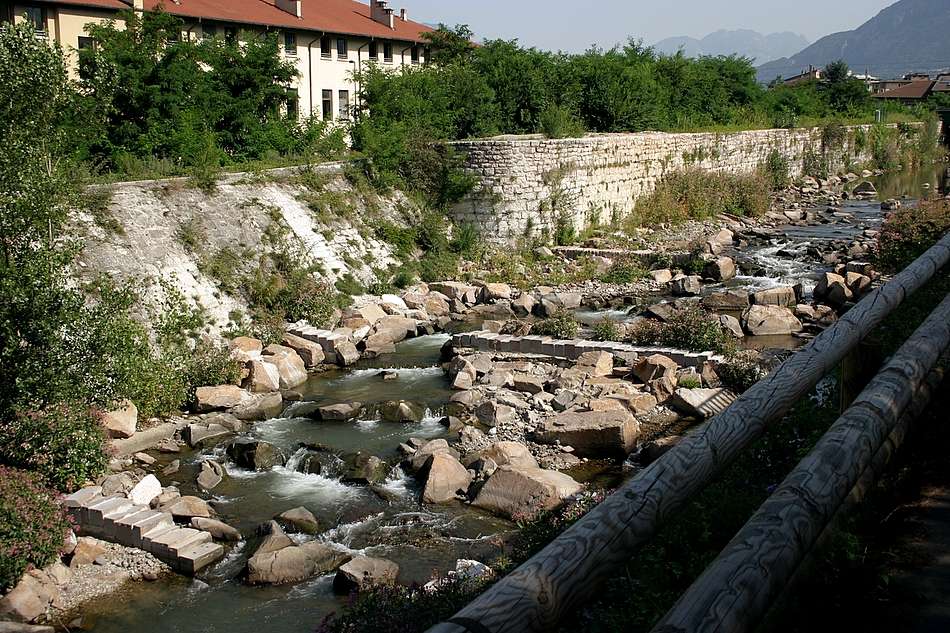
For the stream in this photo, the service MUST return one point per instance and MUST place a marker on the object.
(389, 521)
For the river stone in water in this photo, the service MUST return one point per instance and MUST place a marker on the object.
(218, 530)
(362, 469)
(401, 411)
(525, 492)
(255, 454)
(363, 572)
(444, 478)
(300, 520)
(294, 563)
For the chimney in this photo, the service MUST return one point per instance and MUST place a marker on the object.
(403, 15)
(382, 13)
(290, 6)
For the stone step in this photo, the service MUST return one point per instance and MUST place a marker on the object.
(155, 532)
(194, 558)
(97, 513)
(81, 498)
(167, 546)
(131, 530)
(571, 349)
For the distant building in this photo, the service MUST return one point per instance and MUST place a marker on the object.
(812, 74)
(909, 93)
(325, 39)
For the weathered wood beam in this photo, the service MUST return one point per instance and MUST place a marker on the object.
(738, 588)
(567, 572)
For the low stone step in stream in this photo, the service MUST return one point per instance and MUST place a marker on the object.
(116, 519)
(571, 349)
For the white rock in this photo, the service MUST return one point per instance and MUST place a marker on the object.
(146, 490)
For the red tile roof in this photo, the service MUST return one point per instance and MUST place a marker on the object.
(96, 4)
(347, 17)
(913, 90)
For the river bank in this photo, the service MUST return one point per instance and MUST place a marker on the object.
(792, 246)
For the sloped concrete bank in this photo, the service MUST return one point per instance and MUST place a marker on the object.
(169, 231)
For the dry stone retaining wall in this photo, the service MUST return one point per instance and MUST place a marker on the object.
(602, 175)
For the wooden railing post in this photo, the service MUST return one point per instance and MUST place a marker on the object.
(738, 588)
(568, 572)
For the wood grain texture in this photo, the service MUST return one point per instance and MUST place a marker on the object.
(737, 589)
(570, 569)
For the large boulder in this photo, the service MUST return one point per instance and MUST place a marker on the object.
(290, 366)
(720, 269)
(523, 305)
(262, 406)
(686, 285)
(555, 302)
(30, 599)
(186, 508)
(731, 300)
(524, 492)
(339, 412)
(444, 478)
(245, 348)
(783, 296)
(592, 433)
(255, 454)
(509, 454)
(144, 491)
(491, 413)
(364, 469)
(833, 289)
(299, 520)
(702, 403)
(654, 367)
(121, 422)
(456, 290)
(495, 292)
(218, 530)
(220, 397)
(417, 461)
(396, 328)
(363, 572)
(310, 352)
(597, 363)
(761, 320)
(294, 563)
(378, 344)
(401, 411)
(262, 377)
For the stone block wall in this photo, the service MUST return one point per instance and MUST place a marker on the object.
(602, 175)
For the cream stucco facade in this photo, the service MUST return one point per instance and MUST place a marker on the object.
(326, 62)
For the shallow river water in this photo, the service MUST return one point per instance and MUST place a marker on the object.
(388, 521)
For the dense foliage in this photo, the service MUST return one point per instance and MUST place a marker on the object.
(501, 87)
(691, 329)
(67, 352)
(907, 233)
(33, 526)
(153, 98)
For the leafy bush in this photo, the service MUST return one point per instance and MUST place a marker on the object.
(697, 194)
(63, 444)
(438, 266)
(209, 365)
(777, 170)
(690, 329)
(605, 330)
(559, 122)
(908, 233)
(815, 163)
(741, 370)
(624, 272)
(689, 381)
(562, 325)
(33, 526)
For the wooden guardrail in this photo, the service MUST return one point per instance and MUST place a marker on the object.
(738, 588)
(568, 572)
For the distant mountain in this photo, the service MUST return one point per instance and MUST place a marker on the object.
(910, 35)
(761, 48)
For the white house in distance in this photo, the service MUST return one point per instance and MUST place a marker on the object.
(326, 39)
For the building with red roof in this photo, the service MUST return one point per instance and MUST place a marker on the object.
(328, 40)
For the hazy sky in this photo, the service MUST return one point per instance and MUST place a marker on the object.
(575, 24)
